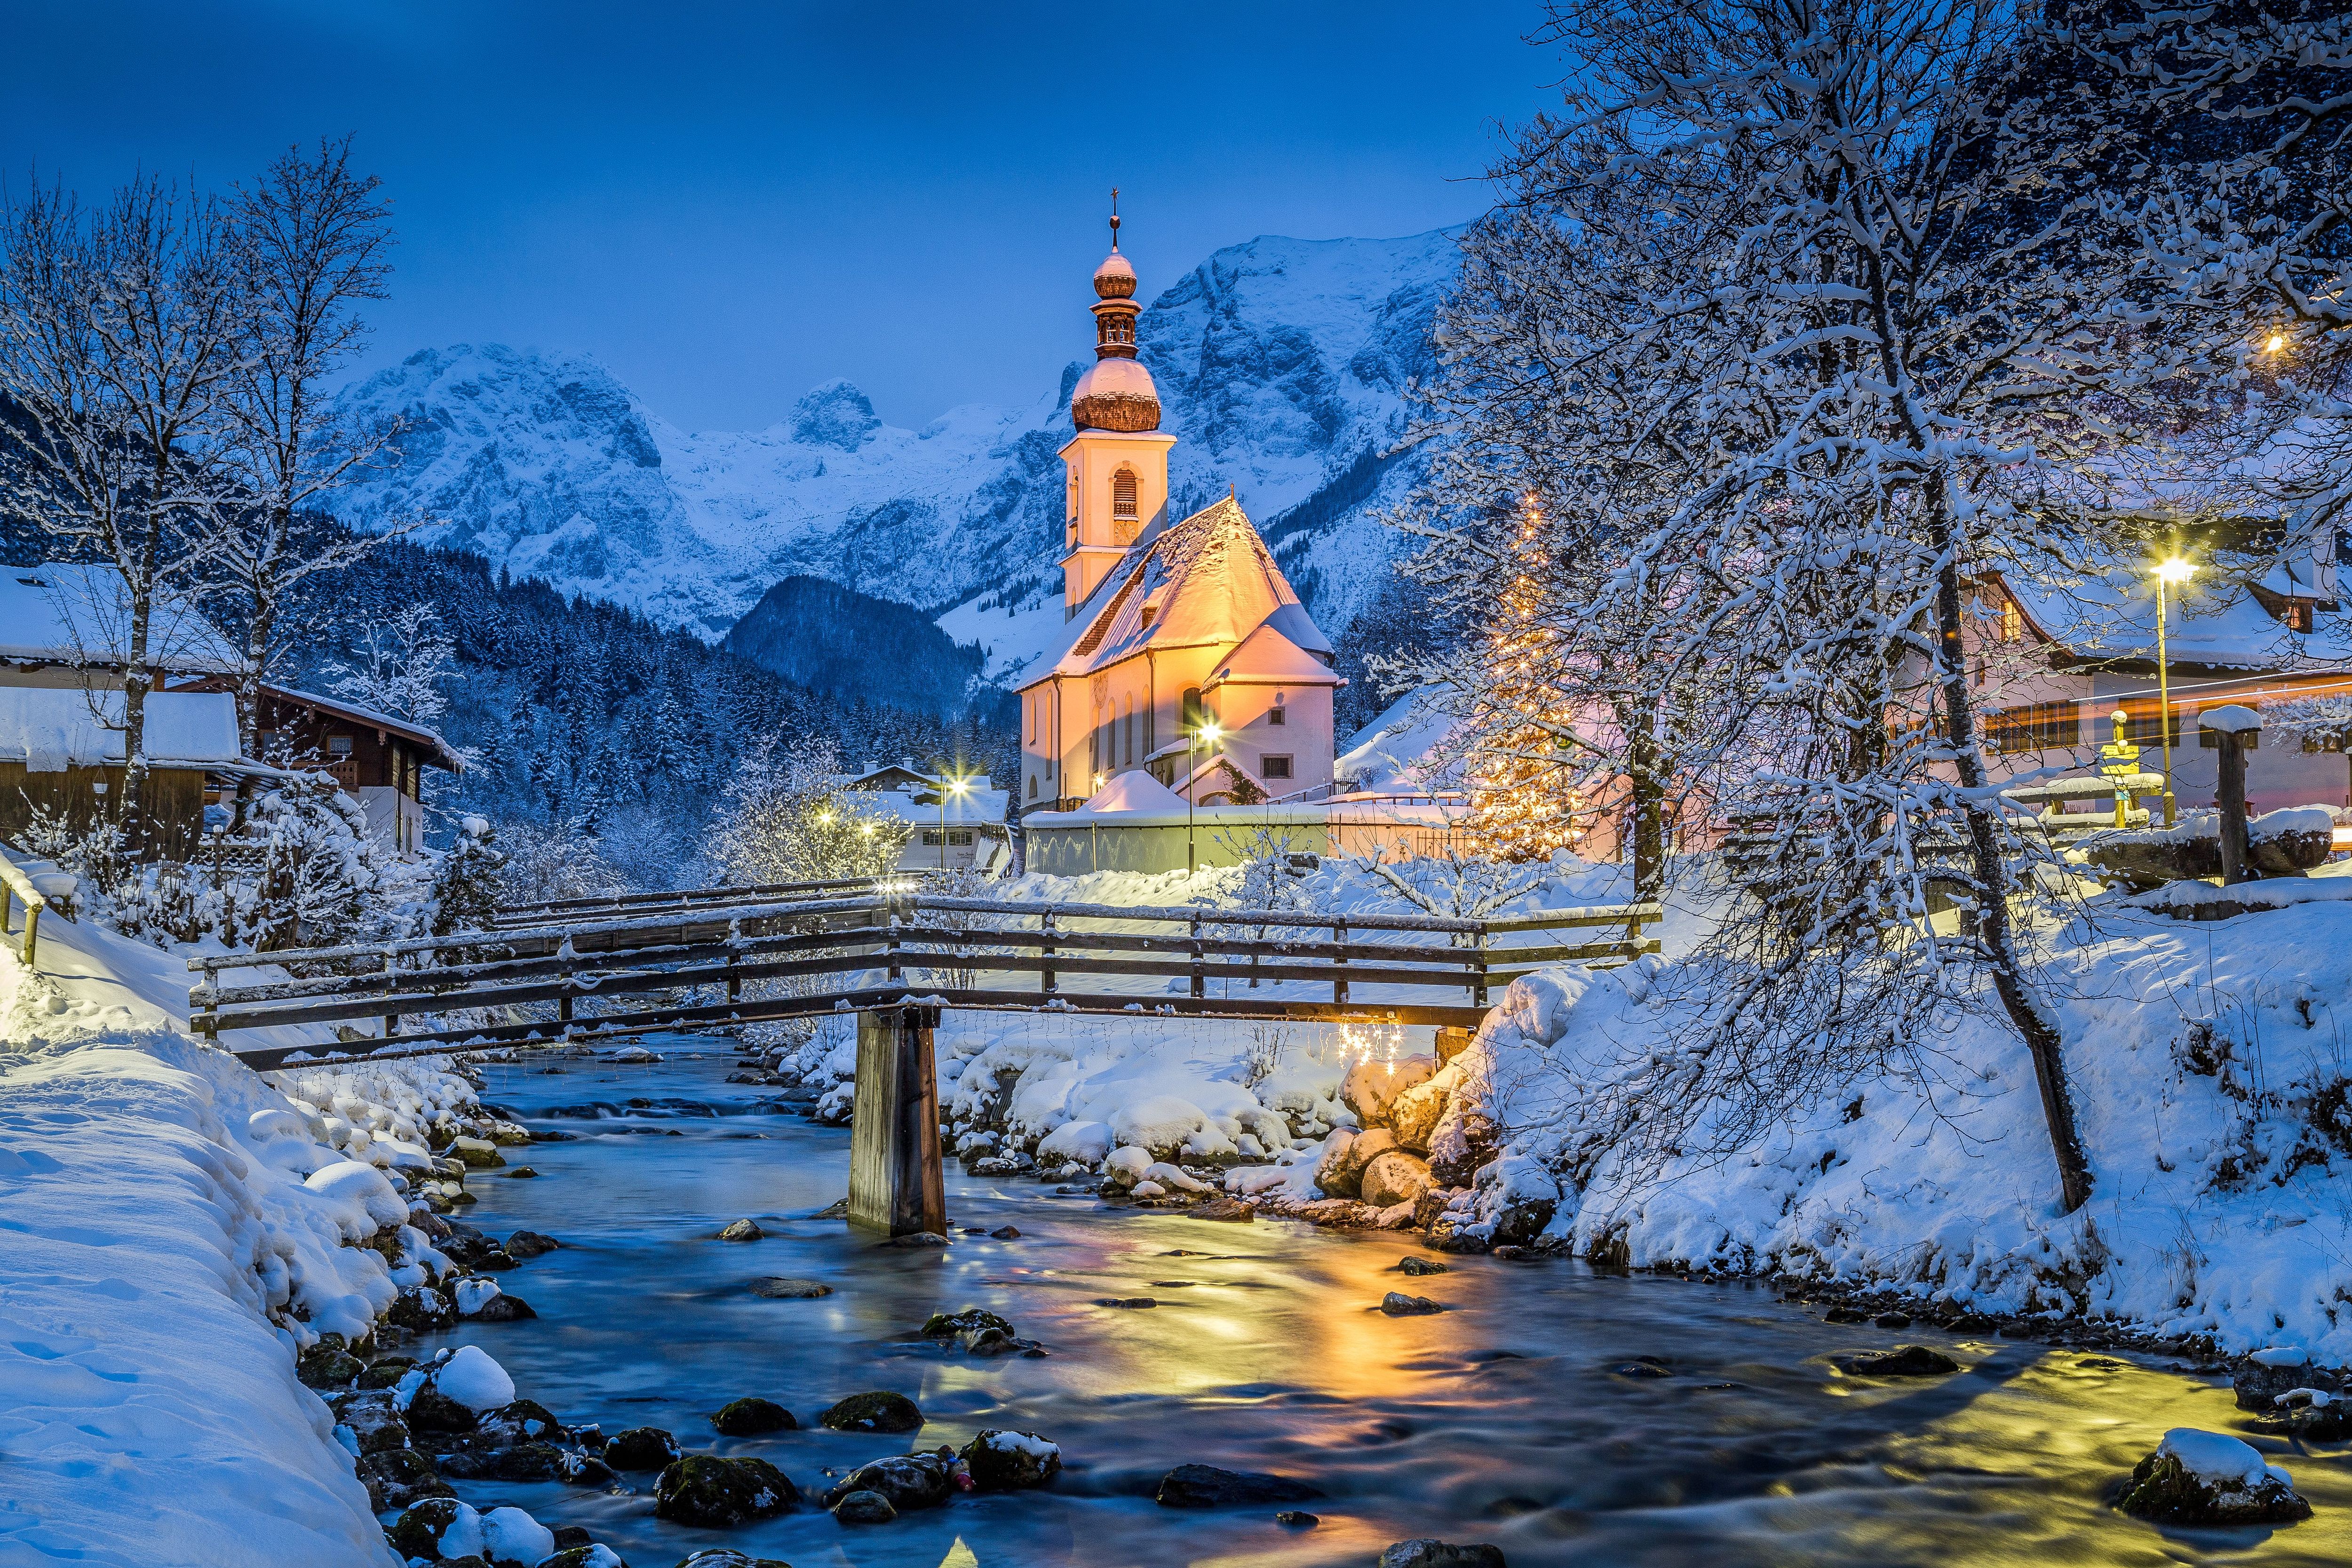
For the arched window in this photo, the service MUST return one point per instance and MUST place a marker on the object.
(1122, 495)
(1130, 731)
(1189, 710)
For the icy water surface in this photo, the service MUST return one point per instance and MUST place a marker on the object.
(1501, 1420)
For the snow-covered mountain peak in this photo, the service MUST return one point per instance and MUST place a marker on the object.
(833, 414)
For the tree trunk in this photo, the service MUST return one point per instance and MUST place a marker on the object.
(1994, 931)
(1649, 792)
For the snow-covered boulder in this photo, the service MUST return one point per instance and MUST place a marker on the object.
(1085, 1141)
(1126, 1167)
(1370, 1088)
(1161, 1123)
(1395, 1177)
(1345, 1154)
(472, 1378)
(363, 1200)
(2210, 1477)
(1414, 1113)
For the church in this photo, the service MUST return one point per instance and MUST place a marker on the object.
(1189, 657)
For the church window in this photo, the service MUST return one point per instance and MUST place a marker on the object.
(1123, 495)
(1130, 731)
(1032, 786)
(1189, 710)
(1278, 716)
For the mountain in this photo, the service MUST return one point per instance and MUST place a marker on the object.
(862, 647)
(1282, 365)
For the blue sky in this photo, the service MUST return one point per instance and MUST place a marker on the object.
(730, 202)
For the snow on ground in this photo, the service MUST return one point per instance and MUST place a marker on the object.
(2210, 1069)
(176, 1229)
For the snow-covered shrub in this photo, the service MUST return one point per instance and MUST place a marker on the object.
(551, 860)
(319, 868)
(468, 884)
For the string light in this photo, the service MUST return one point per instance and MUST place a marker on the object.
(1518, 808)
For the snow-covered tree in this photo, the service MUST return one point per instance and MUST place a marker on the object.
(400, 664)
(785, 818)
(1853, 329)
(320, 869)
(468, 883)
(118, 335)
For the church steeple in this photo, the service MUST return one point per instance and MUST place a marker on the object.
(1118, 394)
(1118, 461)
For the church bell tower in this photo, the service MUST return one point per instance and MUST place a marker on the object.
(1118, 462)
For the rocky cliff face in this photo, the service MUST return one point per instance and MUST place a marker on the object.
(1282, 365)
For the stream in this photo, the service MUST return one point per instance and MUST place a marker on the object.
(1503, 1419)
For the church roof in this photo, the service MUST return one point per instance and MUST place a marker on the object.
(1266, 657)
(1206, 581)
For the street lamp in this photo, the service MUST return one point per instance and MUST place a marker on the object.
(2173, 570)
(955, 787)
(1203, 734)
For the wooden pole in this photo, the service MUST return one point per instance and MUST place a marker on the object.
(896, 1186)
(2234, 846)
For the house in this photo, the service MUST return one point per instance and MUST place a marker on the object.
(2055, 666)
(61, 754)
(951, 828)
(68, 626)
(1187, 654)
(378, 759)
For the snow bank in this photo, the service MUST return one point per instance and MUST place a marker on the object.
(2209, 1073)
(176, 1229)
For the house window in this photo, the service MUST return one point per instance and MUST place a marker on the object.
(1122, 494)
(2012, 622)
(2298, 614)
(2036, 726)
(959, 840)
(2141, 731)
(1274, 767)
(932, 836)
(1278, 716)
(339, 747)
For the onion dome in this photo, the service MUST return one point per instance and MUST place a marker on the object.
(1117, 393)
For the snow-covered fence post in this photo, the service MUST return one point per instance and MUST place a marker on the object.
(1200, 979)
(1340, 960)
(2234, 730)
(1046, 950)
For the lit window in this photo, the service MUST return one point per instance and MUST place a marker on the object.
(2012, 622)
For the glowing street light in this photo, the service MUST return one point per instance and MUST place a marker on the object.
(955, 787)
(2278, 341)
(1205, 733)
(2171, 570)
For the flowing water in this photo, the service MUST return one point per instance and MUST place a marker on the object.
(1502, 1420)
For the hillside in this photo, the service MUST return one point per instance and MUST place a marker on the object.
(838, 642)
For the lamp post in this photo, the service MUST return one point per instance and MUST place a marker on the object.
(1203, 734)
(955, 787)
(2173, 570)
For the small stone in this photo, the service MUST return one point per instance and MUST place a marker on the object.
(971, 1319)
(1005, 1232)
(1967, 1324)
(1297, 1519)
(1844, 1315)
(717, 1493)
(1423, 1266)
(1397, 1304)
(476, 1153)
(531, 1244)
(742, 1230)
(751, 1417)
(395, 1478)
(1206, 1486)
(422, 1310)
(878, 1411)
(521, 1174)
(568, 1536)
(385, 1371)
(430, 1410)
(1430, 1552)
(781, 1290)
(328, 1365)
(588, 1556)
(1903, 1361)
(1641, 1366)
(1232, 1210)
(1892, 1319)
(919, 1239)
(1130, 1303)
(417, 1531)
(865, 1508)
(726, 1557)
(641, 1449)
(908, 1483)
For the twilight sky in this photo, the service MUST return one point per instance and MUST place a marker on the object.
(728, 202)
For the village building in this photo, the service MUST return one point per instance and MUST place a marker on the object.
(1189, 656)
(955, 824)
(64, 632)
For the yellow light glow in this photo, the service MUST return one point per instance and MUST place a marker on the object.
(1209, 734)
(958, 785)
(2278, 341)
(826, 818)
(2175, 569)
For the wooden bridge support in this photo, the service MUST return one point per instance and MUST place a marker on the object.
(894, 1183)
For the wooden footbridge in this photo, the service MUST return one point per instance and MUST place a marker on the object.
(894, 955)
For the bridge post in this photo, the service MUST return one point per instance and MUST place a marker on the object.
(895, 1182)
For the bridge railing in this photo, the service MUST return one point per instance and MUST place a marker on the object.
(754, 961)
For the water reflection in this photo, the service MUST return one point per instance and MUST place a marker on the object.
(1502, 1420)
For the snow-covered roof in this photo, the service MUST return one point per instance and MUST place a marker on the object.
(50, 727)
(1266, 657)
(2222, 627)
(443, 754)
(1134, 790)
(80, 615)
(1400, 750)
(1206, 581)
(973, 808)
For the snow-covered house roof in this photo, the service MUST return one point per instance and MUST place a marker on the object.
(1403, 750)
(1204, 582)
(49, 728)
(981, 808)
(1134, 790)
(2220, 628)
(80, 615)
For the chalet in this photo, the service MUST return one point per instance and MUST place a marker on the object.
(378, 759)
(1188, 656)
